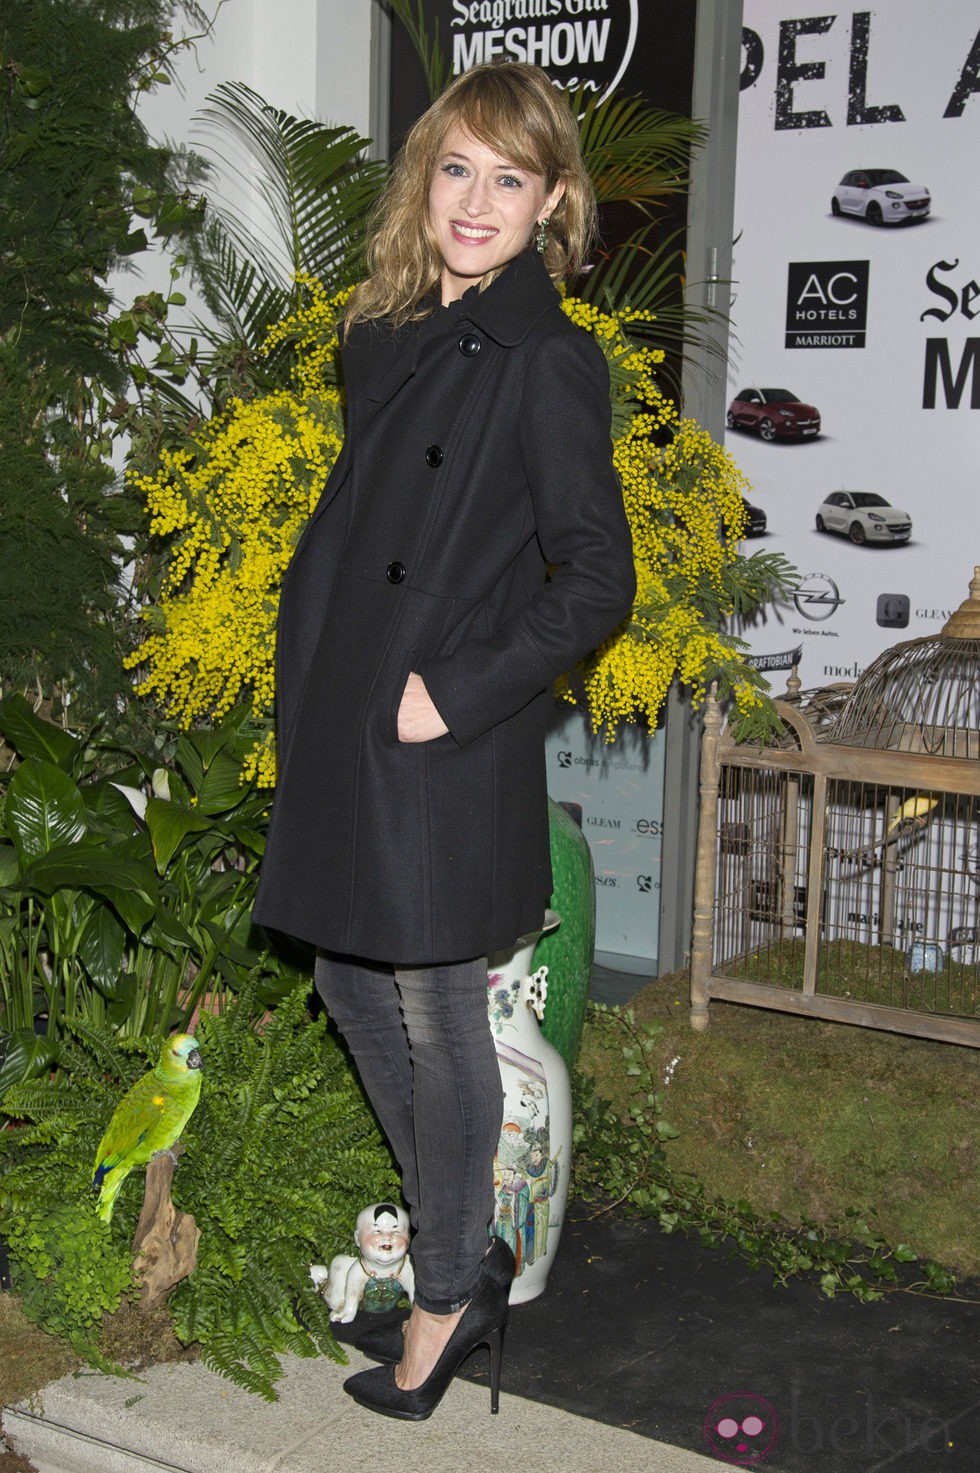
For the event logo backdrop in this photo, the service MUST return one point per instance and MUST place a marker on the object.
(635, 47)
(576, 41)
(856, 288)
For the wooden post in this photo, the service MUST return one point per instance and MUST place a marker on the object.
(704, 875)
(888, 929)
(790, 840)
(166, 1240)
(813, 937)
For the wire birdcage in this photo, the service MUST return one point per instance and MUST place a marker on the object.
(839, 867)
(922, 695)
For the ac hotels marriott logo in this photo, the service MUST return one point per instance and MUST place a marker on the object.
(827, 304)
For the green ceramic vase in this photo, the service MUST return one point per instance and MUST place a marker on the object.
(568, 951)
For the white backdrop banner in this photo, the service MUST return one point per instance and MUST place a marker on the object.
(855, 290)
(616, 790)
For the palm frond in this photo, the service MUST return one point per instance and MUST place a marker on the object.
(428, 48)
(634, 153)
(638, 271)
(648, 276)
(243, 302)
(305, 192)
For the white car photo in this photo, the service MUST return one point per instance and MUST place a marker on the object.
(863, 516)
(880, 196)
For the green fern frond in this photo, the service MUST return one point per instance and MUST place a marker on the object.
(229, 1357)
(280, 1155)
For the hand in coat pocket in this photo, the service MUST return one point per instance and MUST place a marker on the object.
(418, 719)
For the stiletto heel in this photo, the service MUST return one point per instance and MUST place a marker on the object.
(495, 1340)
(482, 1323)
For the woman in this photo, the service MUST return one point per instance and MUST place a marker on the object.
(470, 545)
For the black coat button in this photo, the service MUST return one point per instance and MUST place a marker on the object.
(469, 345)
(433, 456)
(395, 572)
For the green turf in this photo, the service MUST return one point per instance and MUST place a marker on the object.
(808, 1118)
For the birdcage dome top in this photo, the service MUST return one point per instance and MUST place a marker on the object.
(922, 695)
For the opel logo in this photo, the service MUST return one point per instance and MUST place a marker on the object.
(817, 597)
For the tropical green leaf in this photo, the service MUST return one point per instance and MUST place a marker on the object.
(169, 934)
(428, 48)
(44, 808)
(648, 275)
(134, 908)
(87, 866)
(110, 810)
(217, 891)
(641, 271)
(169, 824)
(31, 736)
(232, 931)
(252, 840)
(633, 151)
(191, 761)
(124, 996)
(243, 304)
(25, 1056)
(101, 949)
(221, 789)
(9, 866)
(209, 741)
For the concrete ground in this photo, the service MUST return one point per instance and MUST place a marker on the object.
(184, 1419)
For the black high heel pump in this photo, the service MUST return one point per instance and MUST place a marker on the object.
(386, 1343)
(499, 1263)
(481, 1323)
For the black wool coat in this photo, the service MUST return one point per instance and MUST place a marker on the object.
(472, 530)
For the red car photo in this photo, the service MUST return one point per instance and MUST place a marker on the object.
(775, 414)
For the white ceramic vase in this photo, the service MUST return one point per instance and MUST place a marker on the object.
(533, 1162)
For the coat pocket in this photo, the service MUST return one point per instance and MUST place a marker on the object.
(403, 671)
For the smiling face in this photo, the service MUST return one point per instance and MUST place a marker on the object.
(482, 210)
(382, 1234)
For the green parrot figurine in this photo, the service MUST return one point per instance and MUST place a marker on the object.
(149, 1118)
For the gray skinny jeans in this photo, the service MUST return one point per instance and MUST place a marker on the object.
(424, 1051)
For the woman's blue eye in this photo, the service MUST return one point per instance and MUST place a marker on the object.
(456, 170)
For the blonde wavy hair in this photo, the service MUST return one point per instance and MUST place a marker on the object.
(517, 111)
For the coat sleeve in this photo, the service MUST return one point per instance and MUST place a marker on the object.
(582, 531)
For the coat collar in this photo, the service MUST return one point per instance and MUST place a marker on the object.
(512, 304)
(506, 312)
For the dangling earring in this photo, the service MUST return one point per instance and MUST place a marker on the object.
(541, 235)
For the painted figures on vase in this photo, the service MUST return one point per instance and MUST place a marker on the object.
(526, 1175)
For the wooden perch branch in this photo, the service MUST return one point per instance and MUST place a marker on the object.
(166, 1240)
